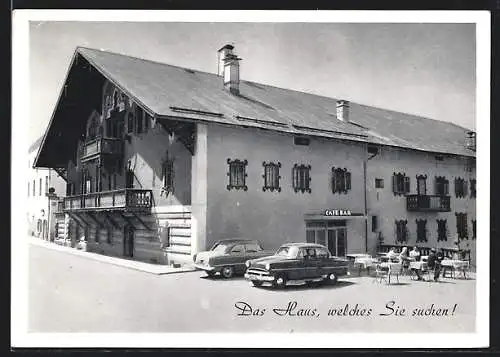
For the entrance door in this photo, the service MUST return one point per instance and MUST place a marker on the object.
(332, 234)
(128, 241)
(337, 241)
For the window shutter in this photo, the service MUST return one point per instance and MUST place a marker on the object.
(466, 189)
(407, 184)
(394, 183)
(446, 188)
(334, 180)
(347, 181)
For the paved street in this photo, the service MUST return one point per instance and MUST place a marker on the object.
(69, 293)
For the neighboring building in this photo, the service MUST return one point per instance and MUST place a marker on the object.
(39, 182)
(162, 161)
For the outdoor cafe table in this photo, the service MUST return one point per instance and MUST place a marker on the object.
(453, 265)
(362, 261)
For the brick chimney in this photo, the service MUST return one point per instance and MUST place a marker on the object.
(229, 68)
(343, 110)
(470, 140)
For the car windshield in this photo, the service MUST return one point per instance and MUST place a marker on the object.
(289, 252)
(220, 247)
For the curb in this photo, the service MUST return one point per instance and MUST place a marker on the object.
(125, 263)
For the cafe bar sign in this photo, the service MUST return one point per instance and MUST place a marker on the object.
(337, 212)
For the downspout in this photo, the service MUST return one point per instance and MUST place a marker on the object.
(366, 194)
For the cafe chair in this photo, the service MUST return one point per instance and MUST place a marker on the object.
(380, 274)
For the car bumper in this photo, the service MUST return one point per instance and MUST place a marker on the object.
(258, 277)
(205, 267)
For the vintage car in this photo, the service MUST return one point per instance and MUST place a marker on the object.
(228, 257)
(297, 262)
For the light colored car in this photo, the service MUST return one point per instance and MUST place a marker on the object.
(228, 257)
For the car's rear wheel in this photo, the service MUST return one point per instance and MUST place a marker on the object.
(332, 278)
(279, 281)
(227, 272)
(256, 283)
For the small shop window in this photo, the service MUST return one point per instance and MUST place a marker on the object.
(237, 174)
(301, 178)
(379, 183)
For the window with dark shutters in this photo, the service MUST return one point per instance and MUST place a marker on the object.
(301, 178)
(460, 187)
(130, 122)
(167, 176)
(401, 231)
(442, 234)
(473, 229)
(421, 230)
(341, 180)
(462, 225)
(237, 174)
(441, 186)
(421, 184)
(271, 176)
(473, 188)
(400, 183)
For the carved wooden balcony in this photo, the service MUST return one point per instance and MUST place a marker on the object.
(128, 199)
(427, 203)
(102, 147)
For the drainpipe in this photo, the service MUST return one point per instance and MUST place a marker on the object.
(366, 194)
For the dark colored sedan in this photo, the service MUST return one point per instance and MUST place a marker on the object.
(297, 262)
(228, 257)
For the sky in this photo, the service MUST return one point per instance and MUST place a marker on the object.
(422, 69)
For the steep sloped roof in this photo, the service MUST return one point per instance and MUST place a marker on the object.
(35, 145)
(166, 89)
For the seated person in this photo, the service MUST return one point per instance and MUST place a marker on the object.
(415, 254)
(434, 262)
(391, 254)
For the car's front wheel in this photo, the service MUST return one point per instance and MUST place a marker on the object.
(332, 278)
(227, 272)
(210, 273)
(279, 281)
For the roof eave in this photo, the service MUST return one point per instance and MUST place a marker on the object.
(42, 144)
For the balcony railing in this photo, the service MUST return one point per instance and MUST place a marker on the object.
(424, 203)
(127, 199)
(101, 146)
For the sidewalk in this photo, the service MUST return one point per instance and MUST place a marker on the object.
(126, 263)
